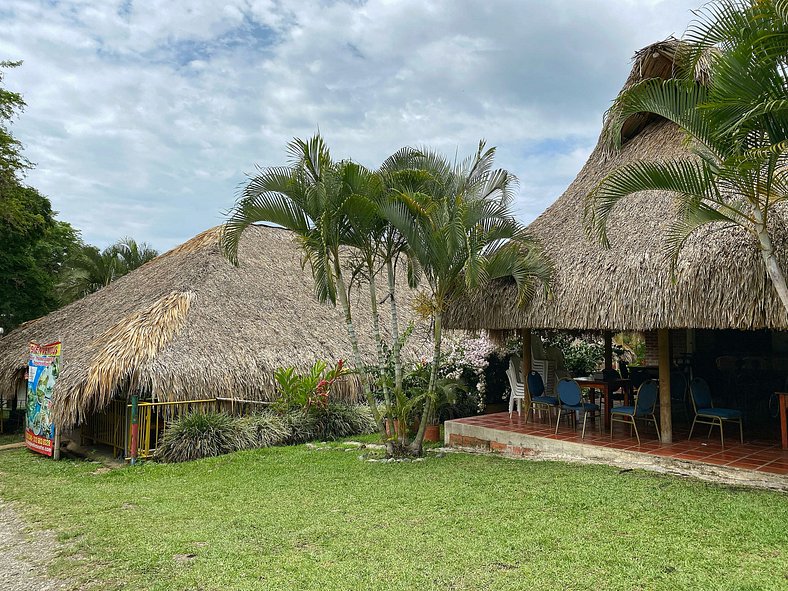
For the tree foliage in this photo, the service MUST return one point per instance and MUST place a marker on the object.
(90, 269)
(731, 99)
(34, 245)
(450, 221)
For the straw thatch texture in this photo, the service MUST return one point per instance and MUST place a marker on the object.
(189, 325)
(720, 279)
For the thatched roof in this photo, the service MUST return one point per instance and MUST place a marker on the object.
(720, 280)
(189, 325)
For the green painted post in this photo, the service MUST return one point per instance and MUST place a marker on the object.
(135, 427)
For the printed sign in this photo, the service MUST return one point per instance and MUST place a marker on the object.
(42, 371)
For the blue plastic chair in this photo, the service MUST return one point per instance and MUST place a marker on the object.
(537, 397)
(570, 401)
(645, 402)
(706, 414)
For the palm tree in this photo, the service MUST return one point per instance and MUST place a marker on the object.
(732, 102)
(309, 198)
(91, 269)
(461, 233)
(133, 254)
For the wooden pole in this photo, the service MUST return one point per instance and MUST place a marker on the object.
(665, 413)
(608, 350)
(56, 444)
(135, 427)
(525, 335)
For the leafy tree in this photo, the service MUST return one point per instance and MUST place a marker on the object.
(33, 244)
(12, 162)
(731, 99)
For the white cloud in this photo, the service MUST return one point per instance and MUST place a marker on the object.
(144, 116)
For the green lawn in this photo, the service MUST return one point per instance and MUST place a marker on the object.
(295, 518)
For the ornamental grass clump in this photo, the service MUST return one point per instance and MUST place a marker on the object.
(265, 429)
(202, 435)
(345, 420)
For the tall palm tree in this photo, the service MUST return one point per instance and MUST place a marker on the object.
(736, 119)
(461, 233)
(308, 197)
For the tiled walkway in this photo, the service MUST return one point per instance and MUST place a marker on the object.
(763, 456)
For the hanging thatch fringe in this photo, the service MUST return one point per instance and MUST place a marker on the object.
(123, 350)
(720, 281)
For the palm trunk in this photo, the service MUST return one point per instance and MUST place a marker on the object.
(773, 269)
(373, 297)
(395, 346)
(418, 441)
(357, 361)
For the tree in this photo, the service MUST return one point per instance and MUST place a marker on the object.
(89, 269)
(460, 231)
(34, 245)
(308, 197)
(452, 222)
(731, 99)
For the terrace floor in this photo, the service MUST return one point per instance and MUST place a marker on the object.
(498, 432)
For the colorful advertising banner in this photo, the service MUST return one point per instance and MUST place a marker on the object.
(42, 371)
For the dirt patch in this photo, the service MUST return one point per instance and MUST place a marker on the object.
(24, 555)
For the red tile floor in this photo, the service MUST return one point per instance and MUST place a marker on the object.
(764, 456)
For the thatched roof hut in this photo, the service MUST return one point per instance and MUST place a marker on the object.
(720, 281)
(189, 325)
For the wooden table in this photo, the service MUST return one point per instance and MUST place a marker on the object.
(606, 387)
(782, 398)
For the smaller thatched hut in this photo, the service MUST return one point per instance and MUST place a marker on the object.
(189, 325)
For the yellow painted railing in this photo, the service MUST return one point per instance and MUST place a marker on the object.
(155, 417)
(113, 426)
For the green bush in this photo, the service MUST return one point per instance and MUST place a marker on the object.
(345, 420)
(202, 435)
(265, 429)
(333, 422)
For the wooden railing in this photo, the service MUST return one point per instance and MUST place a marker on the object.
(108, 427)
(155, 417)
(113, 426)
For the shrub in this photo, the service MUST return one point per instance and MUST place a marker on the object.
(333, 422)
(265, 428)
(202, 435)
(345, 420)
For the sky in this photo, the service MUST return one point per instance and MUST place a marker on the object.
(144, 117)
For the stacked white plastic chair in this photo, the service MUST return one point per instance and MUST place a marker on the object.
(516, 386)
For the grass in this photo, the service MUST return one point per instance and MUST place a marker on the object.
(300, 518)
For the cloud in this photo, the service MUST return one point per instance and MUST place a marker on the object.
(143, 117)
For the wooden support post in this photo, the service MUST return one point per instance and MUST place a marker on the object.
(525, 335)
(135, 427)
(608, 350)
(665, 416)
(56, 444)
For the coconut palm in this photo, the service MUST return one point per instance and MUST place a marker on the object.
(461, 233)
(731, 102)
